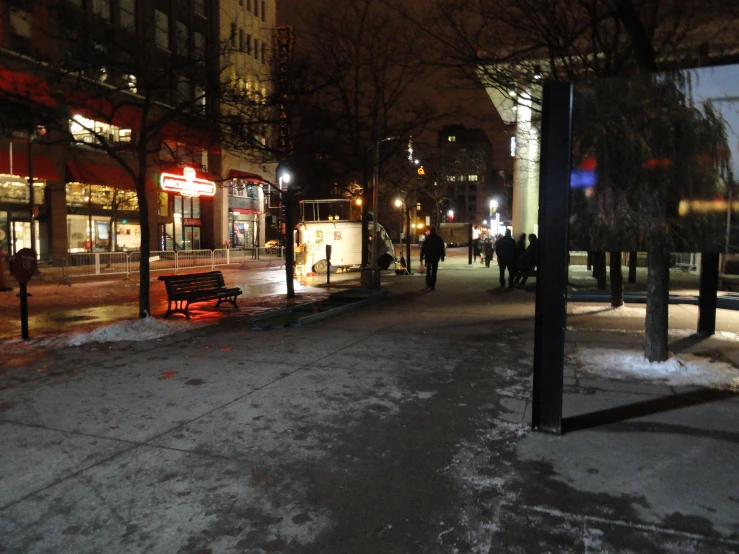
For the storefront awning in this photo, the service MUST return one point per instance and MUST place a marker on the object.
(43, 166)
(245, 175)
(108, 175)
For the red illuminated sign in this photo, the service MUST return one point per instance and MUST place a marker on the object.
(188, 184)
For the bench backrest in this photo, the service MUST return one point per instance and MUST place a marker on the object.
(196, 282)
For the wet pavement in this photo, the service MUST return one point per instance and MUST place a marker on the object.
(399, 428)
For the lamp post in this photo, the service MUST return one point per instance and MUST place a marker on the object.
(284, 177)
(375, 180)
(399, 205)
(494, 209)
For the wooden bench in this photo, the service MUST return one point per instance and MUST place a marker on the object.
(183, 290)
(728, 280)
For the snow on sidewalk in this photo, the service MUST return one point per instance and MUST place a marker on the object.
(679, 370)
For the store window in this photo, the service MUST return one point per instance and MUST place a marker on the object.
(100, 196)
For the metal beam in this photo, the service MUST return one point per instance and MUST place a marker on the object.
(551, 280)
(708, 295)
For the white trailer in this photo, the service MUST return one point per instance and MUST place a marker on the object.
(328, 222)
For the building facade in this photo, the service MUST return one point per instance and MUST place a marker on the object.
(471, 180)
(241, 204)
(100, 97)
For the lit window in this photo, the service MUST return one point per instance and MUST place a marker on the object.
(198, 42)
(20, 22)
(181, 36)
(129, 81)
(452, 138)
(513, 146)
(182, 90)
(472, 178)
(161, 23)
(127, 14)
(451, 178)
(101, 9)
(89, 131)
(200, 99)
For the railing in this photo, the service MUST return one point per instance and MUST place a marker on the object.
(88, 264)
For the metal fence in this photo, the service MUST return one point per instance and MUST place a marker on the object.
(89, 264)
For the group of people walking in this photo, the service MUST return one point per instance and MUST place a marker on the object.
(514, 256)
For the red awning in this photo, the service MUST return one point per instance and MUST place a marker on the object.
(43, 166)
(253, 177)
(108, 175)
(25, 87)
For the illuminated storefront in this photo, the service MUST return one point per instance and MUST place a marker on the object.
(15, 207)
(186, 189)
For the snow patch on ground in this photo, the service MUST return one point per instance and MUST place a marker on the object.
(607, 311)
(679, 370)
(130, 330)
(478, 479)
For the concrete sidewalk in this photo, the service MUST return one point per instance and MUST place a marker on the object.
(401, 428)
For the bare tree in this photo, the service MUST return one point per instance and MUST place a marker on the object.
(509, 46)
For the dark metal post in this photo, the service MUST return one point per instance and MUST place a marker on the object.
(328, 264)
(632, 267)
(551, 281)
(24, 310)
(31, 205)
(289, 243)
(708, 294)
(469, 244)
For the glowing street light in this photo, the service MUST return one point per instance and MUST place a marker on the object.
(398, 202)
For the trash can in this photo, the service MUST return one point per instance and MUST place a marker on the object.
(370, 279)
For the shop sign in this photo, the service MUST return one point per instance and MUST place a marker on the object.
(188, 221)
(188, 184)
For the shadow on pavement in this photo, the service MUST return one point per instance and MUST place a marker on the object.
(645, 408)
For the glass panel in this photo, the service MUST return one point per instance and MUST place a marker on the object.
(655, 159)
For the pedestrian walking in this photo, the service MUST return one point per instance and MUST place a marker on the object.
(432, 251)
(505, 249)
(529, 261)
(476, 248)
(488, 249)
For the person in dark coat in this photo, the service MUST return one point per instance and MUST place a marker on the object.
(476, 248)
(432, 251)
(488, 249)
(505, 249)
(530, 260)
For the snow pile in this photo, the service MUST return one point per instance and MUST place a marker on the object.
(129, 330)
(679, 370)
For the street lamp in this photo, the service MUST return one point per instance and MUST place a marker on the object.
(284, 178)
(450, 214)
(399, 205)
(494, 209)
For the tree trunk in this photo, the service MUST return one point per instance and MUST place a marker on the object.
(289, 245)
(408, 261)
(617, 281)
(366, 202)
(632, 267)
(144, 273)
(658, 295)
(599, 270)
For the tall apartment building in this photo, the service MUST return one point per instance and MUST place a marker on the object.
(79, 74)
(471, 181)
(247, 28)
